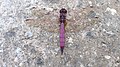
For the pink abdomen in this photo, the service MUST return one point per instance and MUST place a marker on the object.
(62, 35)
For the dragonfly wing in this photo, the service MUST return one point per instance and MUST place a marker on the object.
(75, 23)
(50, 24)
(45, 22)
(78, 20)
(74, 26)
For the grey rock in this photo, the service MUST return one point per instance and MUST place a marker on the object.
(39, 61)
(10, 34)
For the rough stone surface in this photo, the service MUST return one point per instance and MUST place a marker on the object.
(29, 33)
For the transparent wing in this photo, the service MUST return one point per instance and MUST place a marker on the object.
(79, 19)
(49, 21)
(44, 20)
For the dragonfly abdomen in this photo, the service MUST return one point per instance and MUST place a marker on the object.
(62, 37)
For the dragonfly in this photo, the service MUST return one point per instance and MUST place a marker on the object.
(62, 28)
(61, 22)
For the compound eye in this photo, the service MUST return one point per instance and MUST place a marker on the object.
(63, 10)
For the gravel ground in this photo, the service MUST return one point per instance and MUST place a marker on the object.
(29, 33)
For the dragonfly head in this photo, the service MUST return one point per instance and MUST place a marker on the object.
(63, 10)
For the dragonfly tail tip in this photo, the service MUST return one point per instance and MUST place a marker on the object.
(62, 50)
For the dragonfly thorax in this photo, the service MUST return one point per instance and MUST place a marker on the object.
(63, 15)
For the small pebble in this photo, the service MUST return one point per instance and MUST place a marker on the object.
(16, 59)
(107, 56)
(39, 61)
(18, 50)
(21, 64)
(28, 34)
(82, 65)
(92, 14)
(70, 40)
(1, 50)
(113, 11)
(90, 3)
(10, 33)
